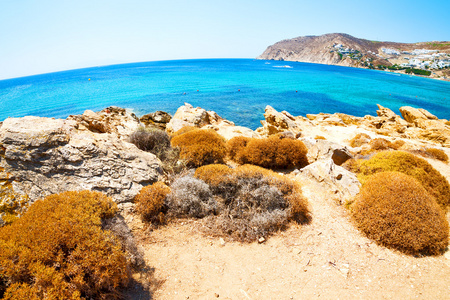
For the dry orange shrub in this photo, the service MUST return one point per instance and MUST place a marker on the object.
(58, 250)
(359, 140)
(214, 174)
(150, 201)
(394, 210)
(200, 147)
(409, 164)
(235, 148)
(273, 152)
(437, 154)
(183, 130)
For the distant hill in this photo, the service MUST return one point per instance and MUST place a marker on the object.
(433, 58)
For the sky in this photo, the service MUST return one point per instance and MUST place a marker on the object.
(42, 36)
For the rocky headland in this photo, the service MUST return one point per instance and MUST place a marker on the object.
(431, 58)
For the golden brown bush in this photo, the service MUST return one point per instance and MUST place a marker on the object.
(235, 147)
(359, 140)
(58, 250)
(409, 164)
(214, 174)
(437, 154)
(319, 137)
(150, 201)
(200, 147)
(274, 152)
(183, 130)
(394, 210)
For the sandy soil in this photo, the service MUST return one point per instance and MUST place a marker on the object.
(328, 258)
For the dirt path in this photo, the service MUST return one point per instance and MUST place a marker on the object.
(326, 259)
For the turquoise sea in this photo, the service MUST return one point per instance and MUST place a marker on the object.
(237, 89)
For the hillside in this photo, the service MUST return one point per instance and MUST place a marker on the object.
(346, 50)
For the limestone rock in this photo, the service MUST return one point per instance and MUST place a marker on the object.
(46, 156)
(187, 115)
(331, 178)
(158, 119)
(110, 120)
(411, 114)
(323, 149)
(386, 113)
(427, 114)
(278, 122)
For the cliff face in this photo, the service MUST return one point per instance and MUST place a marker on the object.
(346, 50)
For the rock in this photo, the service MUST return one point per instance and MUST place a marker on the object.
(158, 118)
(331, 178)
(431, 124)
(427, 114)
(110, 120)
(47, 156)
(386, 113)
(222, 242)
(261, 240)
(411, 114)
(278, 122)
(187, 115)
(325, 149)
(229, 132)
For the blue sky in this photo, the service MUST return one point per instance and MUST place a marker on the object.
(41, 36)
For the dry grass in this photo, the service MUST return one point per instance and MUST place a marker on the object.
(58, 250)
(200, 147)
(409, 164)
(273, 152)
(394, 210)
(150, 201)
(236, 147)
(183, 130)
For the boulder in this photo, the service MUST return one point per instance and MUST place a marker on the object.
(158, 119)
(276, 122)
(324, 149)
(113, 119)
(411, 114)
(427, 114)
(386, 113)
(330, 178)
(43, 156)
(187, 115)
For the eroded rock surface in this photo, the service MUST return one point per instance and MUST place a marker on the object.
(43, 156)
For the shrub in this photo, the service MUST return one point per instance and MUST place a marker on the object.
(150, 201)
(380, 144)
(273, 152)
(252, 201)
(437, 154)
(153, 140)
(58, 250)
(235, 147)
(409, 164)
(394, 210)
(190, 197)
(183, 130)
(200, 147)
(359, 140)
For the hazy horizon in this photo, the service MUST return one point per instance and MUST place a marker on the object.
(50, 36)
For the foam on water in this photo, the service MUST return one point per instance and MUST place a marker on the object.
(238, 89)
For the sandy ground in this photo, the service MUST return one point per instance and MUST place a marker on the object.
(328, 258)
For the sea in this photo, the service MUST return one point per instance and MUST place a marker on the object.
(237, 89)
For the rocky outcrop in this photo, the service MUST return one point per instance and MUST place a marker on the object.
(276, 122)
(157, 119)
(330, 179)
(187, 115)
(42, 156)
(322, 149)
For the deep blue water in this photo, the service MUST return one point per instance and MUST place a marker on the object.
(237, 89)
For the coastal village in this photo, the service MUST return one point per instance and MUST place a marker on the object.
(423, 59)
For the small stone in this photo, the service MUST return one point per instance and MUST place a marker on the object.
(217, 295)
(222, 242)
(261, 240)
